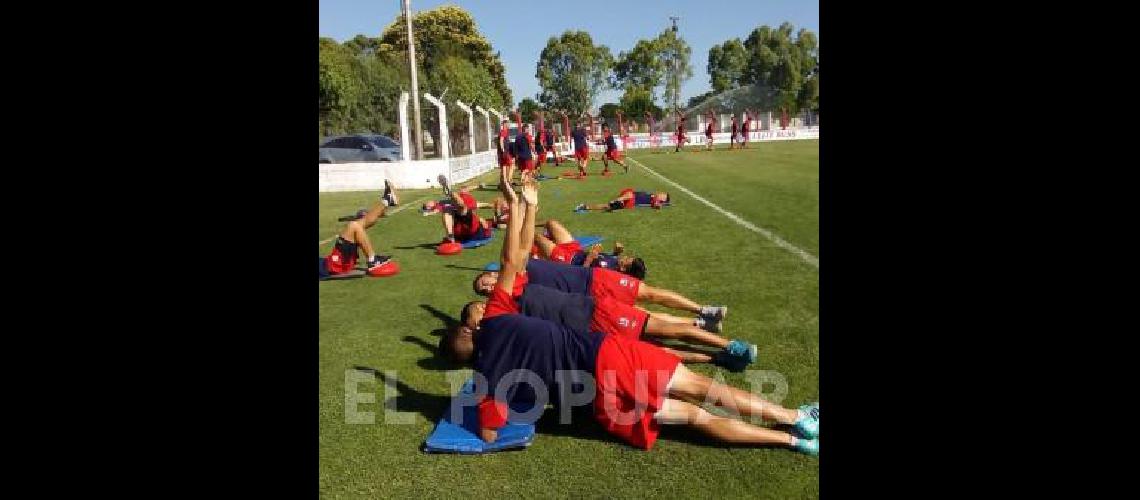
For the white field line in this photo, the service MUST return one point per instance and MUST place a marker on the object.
(780, 242)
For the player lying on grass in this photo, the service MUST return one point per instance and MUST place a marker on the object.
(354, 237)
(628, 198)
(559, 245)
(612, 152)
(638, 386)
(598, 282)
(606, 314)
(460, 221)
(500, 209)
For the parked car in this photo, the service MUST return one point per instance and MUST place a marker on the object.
(358, 148)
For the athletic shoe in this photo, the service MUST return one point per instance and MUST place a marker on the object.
(706, 325)
(378, 261)
(714, 313)
(729, 361)
(443, 183)
(809, 446)
(807, 424)
(743, 350)
(390, 193)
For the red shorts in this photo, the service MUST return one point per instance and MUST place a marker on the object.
(621, 287)
(625, 405)
(630, 202)
(339, 262)
(744, 136)
(564, 252)
(527, 164)
(614, 318)
(582, 154)
(466, 232)
(614, 155)
(505, 160)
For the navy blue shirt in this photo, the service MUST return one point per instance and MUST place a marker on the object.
(611, 144)
(603, 260)
(509, 342)
(580, 139)
(522, 147)
(573, 310)
(569, 279)
(642, 198)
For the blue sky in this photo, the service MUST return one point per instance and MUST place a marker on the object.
(519, 29)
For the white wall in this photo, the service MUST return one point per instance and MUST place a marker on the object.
(422, 174)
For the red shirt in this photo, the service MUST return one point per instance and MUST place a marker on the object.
(502, 303)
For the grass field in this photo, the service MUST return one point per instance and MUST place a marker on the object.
(393, 324)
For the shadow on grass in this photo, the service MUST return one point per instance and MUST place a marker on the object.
(448, 320)
(434, 361)
(429, 246)
(431, 406)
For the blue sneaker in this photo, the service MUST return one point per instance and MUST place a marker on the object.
(807, 425)
(809, 446)
(742, 349)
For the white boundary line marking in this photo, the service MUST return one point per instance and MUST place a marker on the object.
(386, 214)
(780, 242)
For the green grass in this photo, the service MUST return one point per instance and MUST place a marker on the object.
(393, 324)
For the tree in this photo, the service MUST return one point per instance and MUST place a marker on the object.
(783, 65)
(636, 101)
(726, 65)
(527, 107)
(572, 71)
(338, 88)
(641, 67)
(608, 112)
(674, 54)
(442, 32)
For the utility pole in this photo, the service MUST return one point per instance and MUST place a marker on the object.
(676, 83)
(418, 137)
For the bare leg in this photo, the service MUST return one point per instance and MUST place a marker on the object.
(667, 298)
(448, 223)
(558, 232)
(689, 356)
(696, 388)
(724, 429)
(669, 318)
(545, 246)
(374, 213)
(354, 232)
(688, 333)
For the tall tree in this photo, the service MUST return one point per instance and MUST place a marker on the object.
(572, 71)
(442, 32)
(641, 67)
(783, 65)
(527, 107)
(726, 65)
(636, 101)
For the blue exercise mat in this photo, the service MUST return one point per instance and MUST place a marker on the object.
(479, 243)
(462, 437)
(586, 241)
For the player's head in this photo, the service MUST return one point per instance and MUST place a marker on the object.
(472, 314)
(458, 345)
(528, 128)
(506, 123)
(632, 266)
(485, 282)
